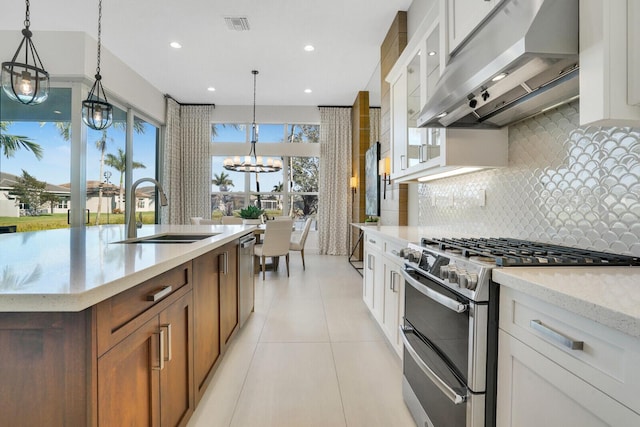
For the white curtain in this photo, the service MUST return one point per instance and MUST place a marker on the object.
(187, 168)
(335, 172)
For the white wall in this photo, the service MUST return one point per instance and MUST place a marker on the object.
(71, 56)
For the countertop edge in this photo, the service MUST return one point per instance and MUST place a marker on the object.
(606, 316)
(13, 303)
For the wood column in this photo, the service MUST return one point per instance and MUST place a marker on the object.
(393, 209)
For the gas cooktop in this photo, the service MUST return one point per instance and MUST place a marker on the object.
(505, 252)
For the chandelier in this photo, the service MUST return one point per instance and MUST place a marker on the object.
(96, 113)
(24, 82)
(253, 162)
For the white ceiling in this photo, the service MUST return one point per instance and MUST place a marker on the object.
(347, 35)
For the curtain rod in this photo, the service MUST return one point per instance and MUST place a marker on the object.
(189, 105)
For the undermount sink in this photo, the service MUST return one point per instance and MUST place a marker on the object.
(170, 238)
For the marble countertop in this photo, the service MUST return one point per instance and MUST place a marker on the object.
(607, 295)
(72, 269)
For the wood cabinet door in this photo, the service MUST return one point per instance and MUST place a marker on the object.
(206, 305)
(177, 400)
(228, 291)
(129, 380)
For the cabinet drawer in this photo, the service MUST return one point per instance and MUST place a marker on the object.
(374, 242)
(123, 313)
(603, 357)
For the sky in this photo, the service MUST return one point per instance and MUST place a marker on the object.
(54, 167)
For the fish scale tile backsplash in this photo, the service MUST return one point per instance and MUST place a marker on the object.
(565, 184)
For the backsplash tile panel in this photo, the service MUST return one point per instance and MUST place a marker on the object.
(565, 184)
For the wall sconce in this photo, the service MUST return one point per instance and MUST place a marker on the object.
(384, 170)
(354, 185)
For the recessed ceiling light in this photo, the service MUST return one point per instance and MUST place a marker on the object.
(431, 53)
(309, 48)
(57, 112)
(211, 89)
(307, 91)
(441, 115)
(175, 45)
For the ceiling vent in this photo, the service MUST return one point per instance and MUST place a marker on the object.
(237, 23)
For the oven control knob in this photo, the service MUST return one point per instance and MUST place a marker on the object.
(453, 274)
(414, 256)
(404, 253)
(468, 280)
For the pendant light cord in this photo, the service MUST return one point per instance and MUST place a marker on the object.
(99, 36)
(27, 16)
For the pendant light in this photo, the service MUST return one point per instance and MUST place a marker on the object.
(24, 82)
(253, 162)
(97, 113)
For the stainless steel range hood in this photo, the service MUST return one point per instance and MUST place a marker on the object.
(533, 42)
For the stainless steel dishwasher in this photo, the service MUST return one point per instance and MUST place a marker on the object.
(246, 276)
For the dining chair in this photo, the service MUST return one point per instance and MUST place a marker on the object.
(209, 221)
(230, 220)
(298, 240)
(275, 242)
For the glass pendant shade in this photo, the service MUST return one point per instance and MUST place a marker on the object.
(253, 162)
(97, 114)
(27, 83)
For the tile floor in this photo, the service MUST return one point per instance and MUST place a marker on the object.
(310, 355)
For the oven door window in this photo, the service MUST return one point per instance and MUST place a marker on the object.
(443, 327)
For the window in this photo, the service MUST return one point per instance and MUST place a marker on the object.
(41, 160)
(62, 204)
(146, 137)
(292, 191)
(141, 203)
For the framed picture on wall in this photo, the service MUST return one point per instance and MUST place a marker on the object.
(372, 183)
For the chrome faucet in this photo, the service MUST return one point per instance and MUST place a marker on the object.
(131, 225)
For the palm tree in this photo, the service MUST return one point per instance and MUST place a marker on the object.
(119, 163)
(12, 143)
(224, 182)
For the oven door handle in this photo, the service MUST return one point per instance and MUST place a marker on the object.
(450, 303)
(443, 386)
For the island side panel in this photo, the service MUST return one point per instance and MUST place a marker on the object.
(45, 369)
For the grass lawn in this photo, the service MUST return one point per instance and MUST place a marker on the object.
(51, 221)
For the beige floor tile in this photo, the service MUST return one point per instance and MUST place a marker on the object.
(349, 319)
(290, 384)
(296, 320)
(370, 378)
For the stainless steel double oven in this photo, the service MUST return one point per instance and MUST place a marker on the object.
(451, 321)
(450, 336)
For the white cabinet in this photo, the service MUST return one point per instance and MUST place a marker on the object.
(383, 289)
(419, 152)
(557, 369)
(464, 16)
(393, 301)
(609, 60)
(373, 289)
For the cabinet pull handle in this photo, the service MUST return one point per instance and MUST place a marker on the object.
(556, 336)
(403, 161)
(223, 264)
(167, 326)
(160, 366)
(372, 241)
(160, 294)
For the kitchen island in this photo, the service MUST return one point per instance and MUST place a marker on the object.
(95, 331)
